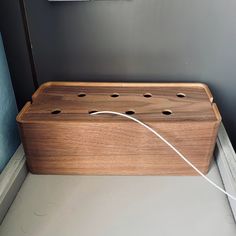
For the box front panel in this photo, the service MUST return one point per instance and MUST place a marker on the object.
(117, 148)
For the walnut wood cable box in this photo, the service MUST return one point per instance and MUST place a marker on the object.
(60, 136)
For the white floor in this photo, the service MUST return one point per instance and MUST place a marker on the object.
(112, 206)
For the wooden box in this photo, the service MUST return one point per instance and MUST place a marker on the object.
(60, 136)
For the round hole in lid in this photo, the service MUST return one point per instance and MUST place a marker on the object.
(181, 95)
(115, 95)
(81, 94)
(147, 95)
(167, 112)
(92, 111)
(130, 112)
(55, 111)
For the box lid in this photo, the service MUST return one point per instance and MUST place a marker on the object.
(155, 102)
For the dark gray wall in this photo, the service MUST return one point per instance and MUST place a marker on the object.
(13, 36)
(139, 40)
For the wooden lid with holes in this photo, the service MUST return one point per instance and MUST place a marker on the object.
(160, 102)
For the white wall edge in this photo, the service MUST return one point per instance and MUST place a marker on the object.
(11, 180)
(226, 161)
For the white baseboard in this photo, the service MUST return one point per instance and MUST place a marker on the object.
(226, 161)
(11, 180)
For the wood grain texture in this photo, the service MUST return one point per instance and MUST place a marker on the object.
(61, 137)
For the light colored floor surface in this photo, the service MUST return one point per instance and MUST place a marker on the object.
(112, 206)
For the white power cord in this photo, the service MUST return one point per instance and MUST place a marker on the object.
(170, 145)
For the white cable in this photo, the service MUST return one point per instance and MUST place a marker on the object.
(170, 145)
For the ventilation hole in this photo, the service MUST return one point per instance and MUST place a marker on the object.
(56, 111)
(81, 95)
(181, 95)
(115, 95)
(167, 112)
(93, 111)
(147, 95)
(130, 112)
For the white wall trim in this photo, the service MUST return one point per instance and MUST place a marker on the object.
(226, 161)
(11, 179)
